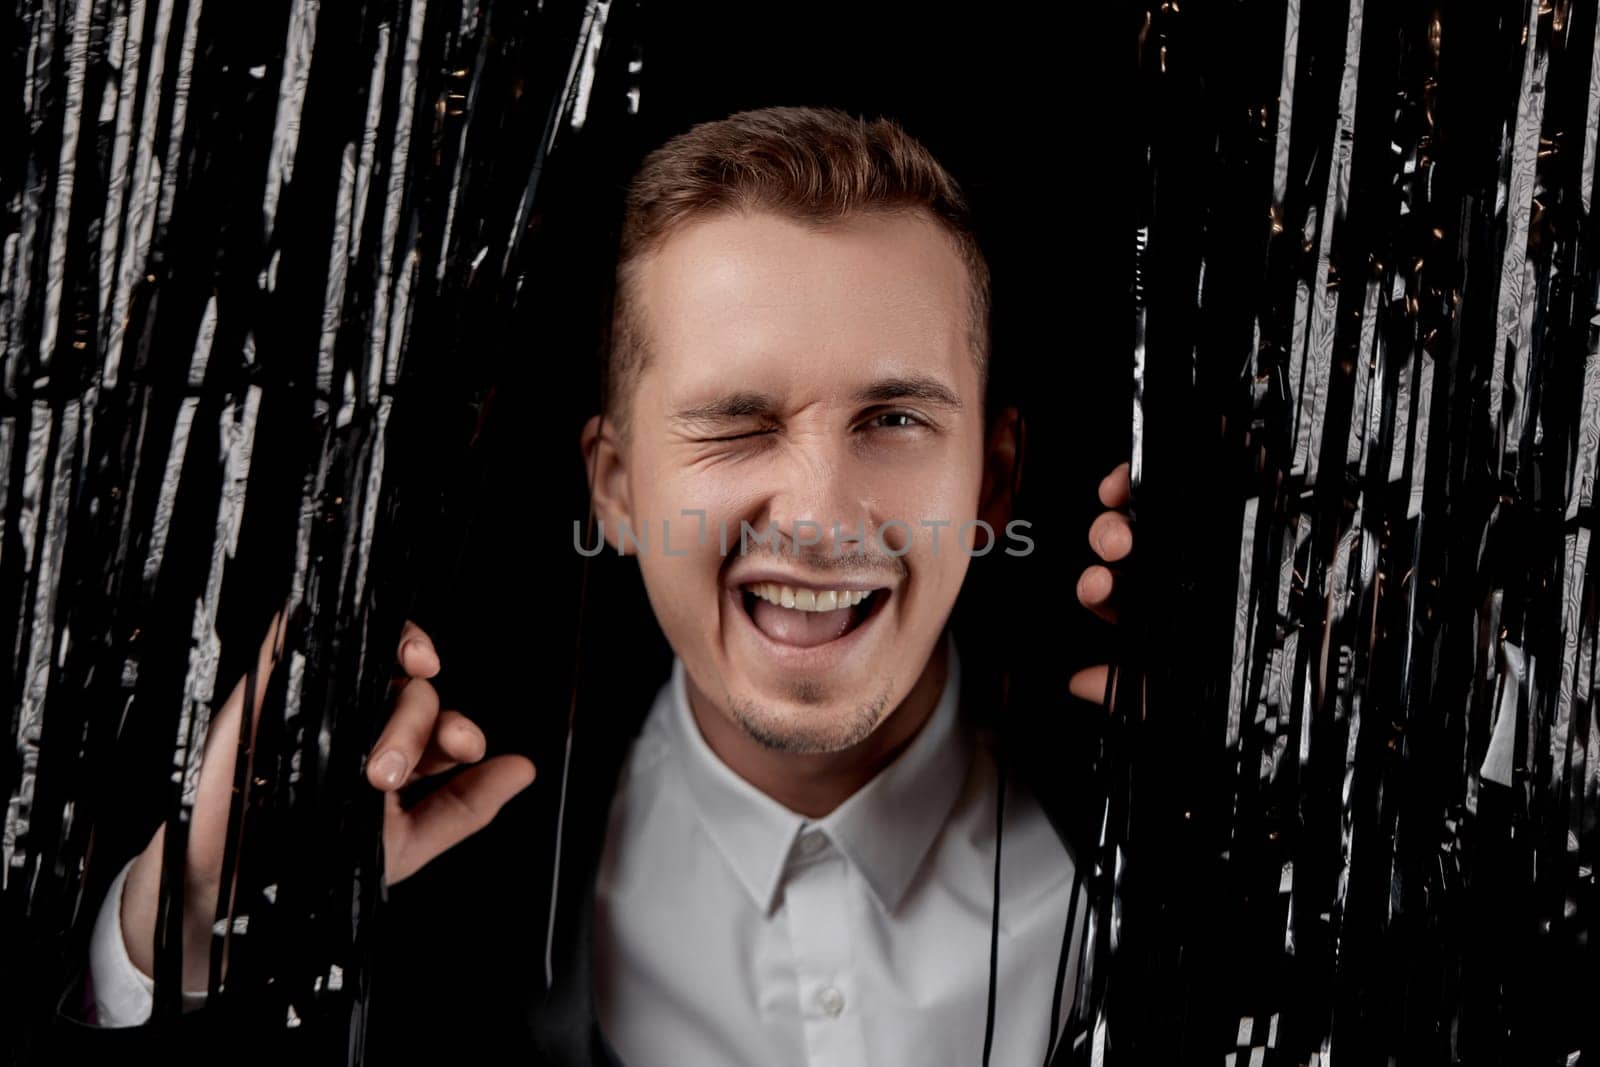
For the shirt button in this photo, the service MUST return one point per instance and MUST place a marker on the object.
(830, 1000)
(812, 842)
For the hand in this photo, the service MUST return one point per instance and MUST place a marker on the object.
(420, 739)
(1111, 537)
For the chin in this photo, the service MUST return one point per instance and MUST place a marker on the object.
(816, 725)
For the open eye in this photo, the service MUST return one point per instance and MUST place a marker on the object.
(893, 420)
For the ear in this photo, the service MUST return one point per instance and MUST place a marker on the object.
(605, 461)
(1002, 467)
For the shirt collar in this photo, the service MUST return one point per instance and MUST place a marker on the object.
(885, 829)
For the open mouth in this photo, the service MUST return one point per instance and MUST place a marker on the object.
(804, 616)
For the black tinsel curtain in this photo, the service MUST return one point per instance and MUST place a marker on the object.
(1353, 799)
(263, 264)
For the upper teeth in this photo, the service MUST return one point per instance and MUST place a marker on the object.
(808, 599)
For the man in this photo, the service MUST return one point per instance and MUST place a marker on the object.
(812, 855)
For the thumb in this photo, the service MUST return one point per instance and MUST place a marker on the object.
(456, 810)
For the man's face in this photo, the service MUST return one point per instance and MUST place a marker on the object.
(821, 384)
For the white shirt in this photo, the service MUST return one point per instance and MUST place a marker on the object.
(123, 994)
(732, 931)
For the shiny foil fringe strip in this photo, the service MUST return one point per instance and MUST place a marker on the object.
(1352, 814)
(230, 235)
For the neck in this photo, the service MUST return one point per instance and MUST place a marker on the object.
(813, 784)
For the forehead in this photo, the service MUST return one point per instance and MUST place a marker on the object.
(742, 296)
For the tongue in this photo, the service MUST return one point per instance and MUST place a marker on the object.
(788, 626)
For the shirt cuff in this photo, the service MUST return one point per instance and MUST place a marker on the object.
(123, 994)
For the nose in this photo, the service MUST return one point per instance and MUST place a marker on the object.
(818, 501)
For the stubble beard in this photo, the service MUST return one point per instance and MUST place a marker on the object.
(790, 733)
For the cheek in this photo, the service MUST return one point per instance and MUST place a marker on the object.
(684, 590)
(938, 567)
(718, 498)
(935, 500)
(681, 564)
(935, 506)
(716, 489)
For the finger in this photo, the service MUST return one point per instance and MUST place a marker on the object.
(416, 654)
(404, 739)
(1096, 586)
(456, 739)
(1115, 491)
(1090, 684)
(1111, 536)
(450, 814)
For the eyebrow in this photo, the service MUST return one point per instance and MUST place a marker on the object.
(917, 387)
(727, 407)
(745, 404)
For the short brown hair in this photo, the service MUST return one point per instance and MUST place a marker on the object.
(814, 165)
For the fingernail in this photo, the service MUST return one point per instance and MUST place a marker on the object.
(390, 769)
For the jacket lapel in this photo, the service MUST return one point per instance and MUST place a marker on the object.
(565, 1023)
